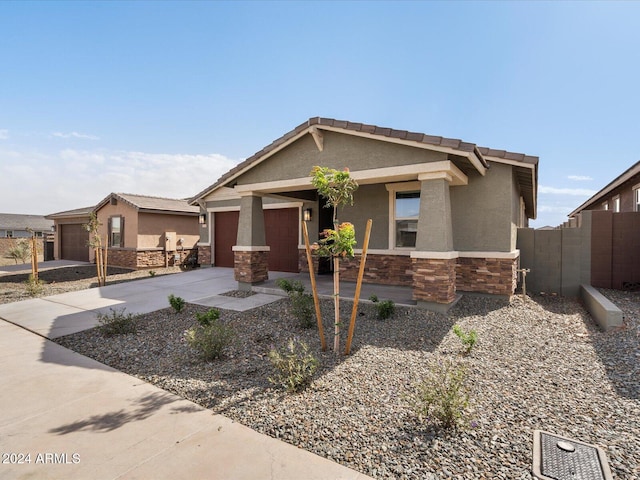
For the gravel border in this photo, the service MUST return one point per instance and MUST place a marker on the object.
(539, 364)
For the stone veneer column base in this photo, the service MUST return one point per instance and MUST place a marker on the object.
(204, 255)
(251, 266)
(434, 280)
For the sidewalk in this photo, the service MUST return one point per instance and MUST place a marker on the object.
(65, 416)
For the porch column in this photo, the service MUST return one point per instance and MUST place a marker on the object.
(434, 260)
(251, 251)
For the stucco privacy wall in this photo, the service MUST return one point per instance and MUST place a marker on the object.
(559, 260)
(297, 159)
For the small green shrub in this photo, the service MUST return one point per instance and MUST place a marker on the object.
(34, 287)
(384, 309)
(468, 339)
(116, 322)
(441, 398)
(211, 336)
(152, 273)
(293, 366)
(177, 303)
(21, 251)
(301, 302)
(289, 286)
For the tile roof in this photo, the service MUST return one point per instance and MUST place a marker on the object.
(374, 130)
(14, 221)
(145, 202)
(76, 212)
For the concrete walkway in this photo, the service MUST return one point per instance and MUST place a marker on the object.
(65, 416)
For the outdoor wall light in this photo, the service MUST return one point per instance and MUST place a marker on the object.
(202, 219)
(306, 215)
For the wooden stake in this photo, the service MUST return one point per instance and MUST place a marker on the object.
(336, 304)
(314, 287)
(106, 265)
(356, 298)
(98, 252)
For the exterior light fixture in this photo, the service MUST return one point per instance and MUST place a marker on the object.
(202, 219)
(306, 215)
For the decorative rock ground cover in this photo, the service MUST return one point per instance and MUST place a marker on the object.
(539, 364)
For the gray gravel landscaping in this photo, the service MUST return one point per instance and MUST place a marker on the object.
(539, 364)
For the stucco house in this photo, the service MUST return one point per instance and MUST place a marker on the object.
(140, 231)
(145, 232)
(445, 212)
(622, 194)
(14, 225)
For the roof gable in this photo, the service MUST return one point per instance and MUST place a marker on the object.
(151, 204)
(316, 126)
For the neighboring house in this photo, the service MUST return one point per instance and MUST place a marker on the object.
(14, 227)
(445, 212)
(145, 232)
(71, 240)
(621, 195)
(24, 226)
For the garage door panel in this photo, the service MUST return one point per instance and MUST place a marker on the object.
(225, 235)
(281, 231)
(281, 234)
(74, 242)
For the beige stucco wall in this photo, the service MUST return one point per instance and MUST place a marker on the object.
(339, 151)
(370, 201)
(152, 226)
(130, 215)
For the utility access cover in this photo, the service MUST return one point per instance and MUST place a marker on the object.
(559, 458)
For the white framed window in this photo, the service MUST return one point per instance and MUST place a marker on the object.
(404, 210)
(636, 198)
(116, 232)
(605, 206)
(616, 204)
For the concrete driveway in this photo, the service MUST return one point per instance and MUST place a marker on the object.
(65, 416)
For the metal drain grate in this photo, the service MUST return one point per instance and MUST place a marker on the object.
(559, 458)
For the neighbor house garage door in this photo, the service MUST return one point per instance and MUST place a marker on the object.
(281, 230)
(74, 240)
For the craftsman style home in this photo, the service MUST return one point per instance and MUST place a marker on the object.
(445, 212)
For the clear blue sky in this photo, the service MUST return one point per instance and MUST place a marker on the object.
(163, 97)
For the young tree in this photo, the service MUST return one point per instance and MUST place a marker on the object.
(95, 242)
(337, 188)
(21, 251)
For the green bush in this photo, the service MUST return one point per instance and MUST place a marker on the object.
(116, 322)
(211, 336)
(152, 273)
(301, 302)
(21, 251)
(468, 339)
(293, 366)
(177, 303)
(34, 287)
(441, 398)
(384, 309)
(289, 286)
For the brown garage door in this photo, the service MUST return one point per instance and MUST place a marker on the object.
(225, 235)
(281, 227)
(74, 243)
